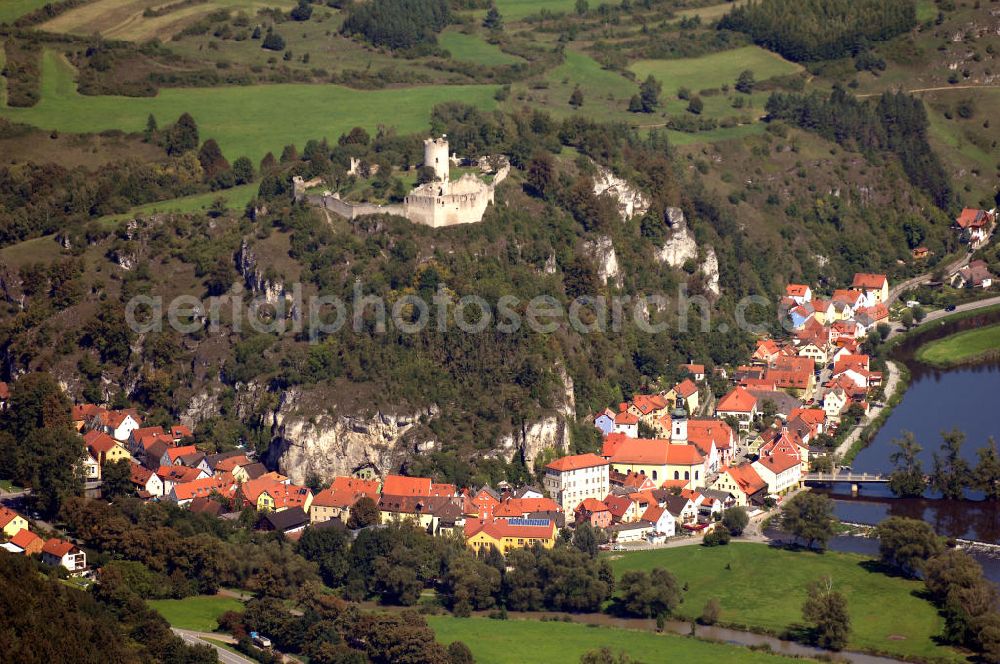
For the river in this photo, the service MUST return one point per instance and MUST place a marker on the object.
(937, 400)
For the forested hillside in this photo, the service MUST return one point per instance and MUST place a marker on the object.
(820, 29)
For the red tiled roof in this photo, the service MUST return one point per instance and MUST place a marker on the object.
(796, 290)
(617, 505)
(85, 411)
(181, 431)
(738, 400)
(868, 281)
(685, 388)
(576, 462)
(653, 513)
(647, 403)
(57, 547)
(502, 529)
(231, 463)
(24, 538)
(7, 515)
(591, 505)
(778, 462)
(694, 368)
(971, 218)
(98, 441)
(745, 477)
(655, 452)
(204, 487)
(626, 418)
(178, 474)
(515, 507)
(400, 485)
(368, 487)
(175, 453)
(702, 433)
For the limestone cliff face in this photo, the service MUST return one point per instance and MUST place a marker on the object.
(606, 260)
(246, 262)
(306, 442)
(681, 247)
(309, 438)
(631, 201)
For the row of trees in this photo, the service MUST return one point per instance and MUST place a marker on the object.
(951, 475)
(804, 30)
(398, 562)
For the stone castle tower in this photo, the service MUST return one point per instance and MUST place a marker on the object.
(436, 156)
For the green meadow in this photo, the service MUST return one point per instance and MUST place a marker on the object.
(714, 70)
(475, 49)
(964, 347)
(532, 641)
(763, 588)
(10, 10)
(245, 120)
(199, 613)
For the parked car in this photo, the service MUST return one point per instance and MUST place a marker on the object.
(950, 307)
(260, 640)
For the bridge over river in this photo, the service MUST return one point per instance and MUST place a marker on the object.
(856, 480)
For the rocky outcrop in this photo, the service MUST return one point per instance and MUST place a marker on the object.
(271, 289)
(681, 247)
(551, 431)
(313, 440)
(631, 201)
(605, 259)
(710, 269)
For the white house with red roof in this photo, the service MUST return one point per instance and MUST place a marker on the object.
(975, 225)
(572, 479)
(739, 404)
(660, 519)
(120, 423)
(800, 293)
(626, 423)
(60, 552)
(779, 470)
(875, 286)
(743, 483)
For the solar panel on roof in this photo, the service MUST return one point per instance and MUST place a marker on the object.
(528, 522)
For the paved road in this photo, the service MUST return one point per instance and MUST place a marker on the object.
(225, 656)
(921, 279)
(941, 313)
(891, 383)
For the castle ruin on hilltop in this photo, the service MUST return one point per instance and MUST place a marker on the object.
(440, 202)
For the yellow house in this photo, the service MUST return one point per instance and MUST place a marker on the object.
(659, 460)
(269, 495)
(509, 534)
(875, 286)
(12, 522)
(684, 395)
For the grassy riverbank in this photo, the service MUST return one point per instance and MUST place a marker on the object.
(962, 348)
(763, 588)
(502, 641)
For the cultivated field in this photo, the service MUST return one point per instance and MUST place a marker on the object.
(14, 9)
(199, 613)
(967, 346)
(712, 12)
(124, 19)
(715, 70)
(474, 49)
(535, 642)
(249, 120)
(513, 10)
(764, 588)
